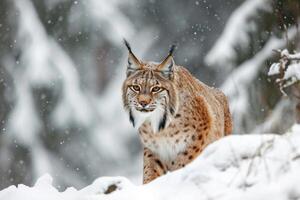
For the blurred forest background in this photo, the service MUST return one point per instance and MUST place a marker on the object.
(62, 63)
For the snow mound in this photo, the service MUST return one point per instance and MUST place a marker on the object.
(237, 167)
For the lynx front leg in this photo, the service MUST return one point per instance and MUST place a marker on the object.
(153, 167)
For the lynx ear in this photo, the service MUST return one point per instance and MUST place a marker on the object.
(167, 65)
(133, 63)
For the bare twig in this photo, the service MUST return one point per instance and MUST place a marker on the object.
(286, 35)
(260, 151)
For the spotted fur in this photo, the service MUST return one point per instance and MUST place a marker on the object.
(176, 120)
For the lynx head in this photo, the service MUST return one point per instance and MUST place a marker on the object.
(149, 93)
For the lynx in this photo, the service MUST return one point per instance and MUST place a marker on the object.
(177, 116)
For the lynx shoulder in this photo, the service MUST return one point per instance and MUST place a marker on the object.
(176, 115)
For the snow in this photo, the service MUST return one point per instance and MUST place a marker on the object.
(274, 69)
(274, 122)
(78, 115)
(286, 53)
(235, 86)
(230, 55)
(43, 63)
(236, 33)
(258, 166)
(38, 70)
(99, 16)
(290, 70)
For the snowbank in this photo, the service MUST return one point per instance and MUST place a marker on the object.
(236, 167)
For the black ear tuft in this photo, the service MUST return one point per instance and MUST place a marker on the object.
(127, 45)
(167, 65)
(133, 62)
(172, 49)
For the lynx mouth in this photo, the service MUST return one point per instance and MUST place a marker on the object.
(144, 110)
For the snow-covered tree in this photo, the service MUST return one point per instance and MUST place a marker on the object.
(245, 51)
(287, 71)
(51, 121)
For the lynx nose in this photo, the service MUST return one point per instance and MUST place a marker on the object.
(144, 103)
(144, 100)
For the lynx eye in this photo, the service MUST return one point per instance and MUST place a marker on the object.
(135, 88)
(156, 89)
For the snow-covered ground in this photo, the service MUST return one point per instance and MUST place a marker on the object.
(262, 166)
